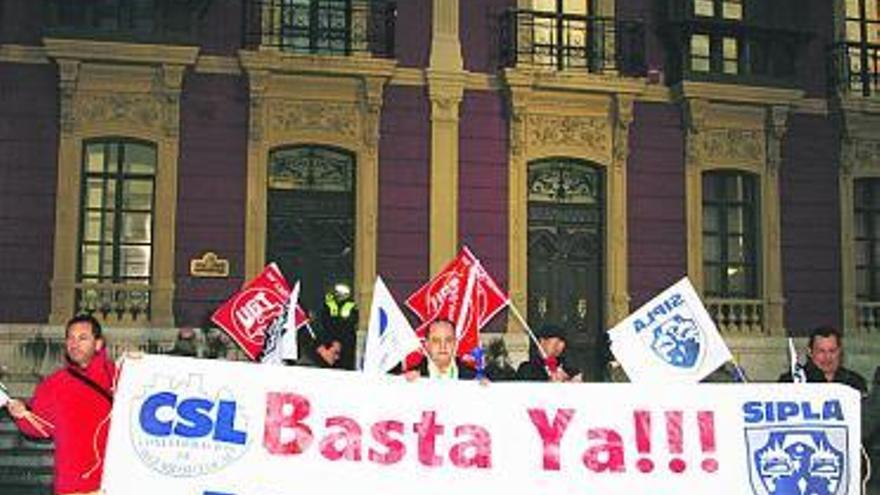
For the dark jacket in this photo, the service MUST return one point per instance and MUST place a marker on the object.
(465, 372)
(843, 375)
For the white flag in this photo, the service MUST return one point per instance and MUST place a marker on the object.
(280, 342)
(390, 338)
(670, 339)
(797, 370)
(4, 397)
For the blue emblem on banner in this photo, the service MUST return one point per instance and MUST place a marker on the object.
(798, 461)
(677, 342)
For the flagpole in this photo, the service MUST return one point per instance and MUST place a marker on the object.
(529, 331)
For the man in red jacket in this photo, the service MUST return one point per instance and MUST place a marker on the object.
(72, 407)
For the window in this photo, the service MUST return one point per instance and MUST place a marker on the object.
(116, 223)
(867, 239)
(714, 50)
(136, 19)
(730, 235)
(315, 26)
(862, 45)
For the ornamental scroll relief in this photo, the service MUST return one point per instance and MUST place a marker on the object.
(860, 155)
(314, 117)
(133, 110)
(733, 146)
(549, 131)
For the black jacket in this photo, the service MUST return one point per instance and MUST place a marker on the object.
(843, 375)
(465, 372)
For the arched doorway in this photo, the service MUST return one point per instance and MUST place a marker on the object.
(311, 218)
(566, 244)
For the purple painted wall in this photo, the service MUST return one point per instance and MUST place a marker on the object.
(20, 22)
(413, 33)
(483, 192)
(810, 224)
(220, 30)
(404, 155)
(655, 201)
(28, 178)
(479, 27)
(211, 190)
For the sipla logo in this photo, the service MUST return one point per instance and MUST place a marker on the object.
(798, 461)
(180, 430)
(677, 342)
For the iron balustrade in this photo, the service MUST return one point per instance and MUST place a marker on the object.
(323, 27)
(568, 41)
(855, 68)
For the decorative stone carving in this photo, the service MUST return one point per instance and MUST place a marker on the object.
(312, 116)
(623, 117)
(68, 71)
(132, 110)
(557, 131)
(777, 120)
(734, 145)
(209, 265)
(859, 154)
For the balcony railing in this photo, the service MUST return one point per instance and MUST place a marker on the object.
(330, 27)
(142, 21)
(114, 302)
(566, 41)
(855, 68)
(744, 316)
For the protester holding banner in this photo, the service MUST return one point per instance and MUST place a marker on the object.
(544, 364)
(72, 407)
(441, 363)
(825, 350)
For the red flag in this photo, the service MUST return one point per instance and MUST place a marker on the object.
(445, 297)
(247, 314)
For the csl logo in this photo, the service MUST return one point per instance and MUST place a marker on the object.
(186, 432)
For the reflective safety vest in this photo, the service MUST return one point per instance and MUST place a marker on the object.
(335, 310)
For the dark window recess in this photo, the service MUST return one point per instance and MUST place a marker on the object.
(149, 21)
(867, 239)
(738, 41)
(325, 27)
(730, 235)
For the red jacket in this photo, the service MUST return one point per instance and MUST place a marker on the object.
(80, 419)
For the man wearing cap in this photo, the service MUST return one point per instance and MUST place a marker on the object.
(544, 364)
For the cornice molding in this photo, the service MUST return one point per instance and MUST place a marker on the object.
(23, 54)
(733, 93)
(573, 81)
(107, 51)
(215, 64)
(296, 63)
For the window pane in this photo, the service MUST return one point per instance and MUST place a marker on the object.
(711, 249)
(137, 194)
(94, 193)
(705, 8)
(95, 158)
(862, 288)
(700, 53)
(731, 57)
(738, 280)
(140, 159)
(862, 226)
(863, 250)
(90, 260)
(732, 9)
(736, 249)
(136, 227)
(712, 282)
(134, 261)
(735, 220)
(578, 7)
(711, 222)
(92, 227)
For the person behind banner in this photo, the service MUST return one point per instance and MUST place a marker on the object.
(323, 352)
(72, 407)
(441, 362)
(825, 351)
(545, 364)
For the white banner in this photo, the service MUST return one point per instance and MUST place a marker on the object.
(671, 338)
(185, 426)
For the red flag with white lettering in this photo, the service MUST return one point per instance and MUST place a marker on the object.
(463, 293)
(247, 314)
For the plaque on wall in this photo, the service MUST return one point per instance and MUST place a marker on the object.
(209, 265)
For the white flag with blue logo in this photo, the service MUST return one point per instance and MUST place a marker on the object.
(280, 339)
(671, 338)
(390, 338)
